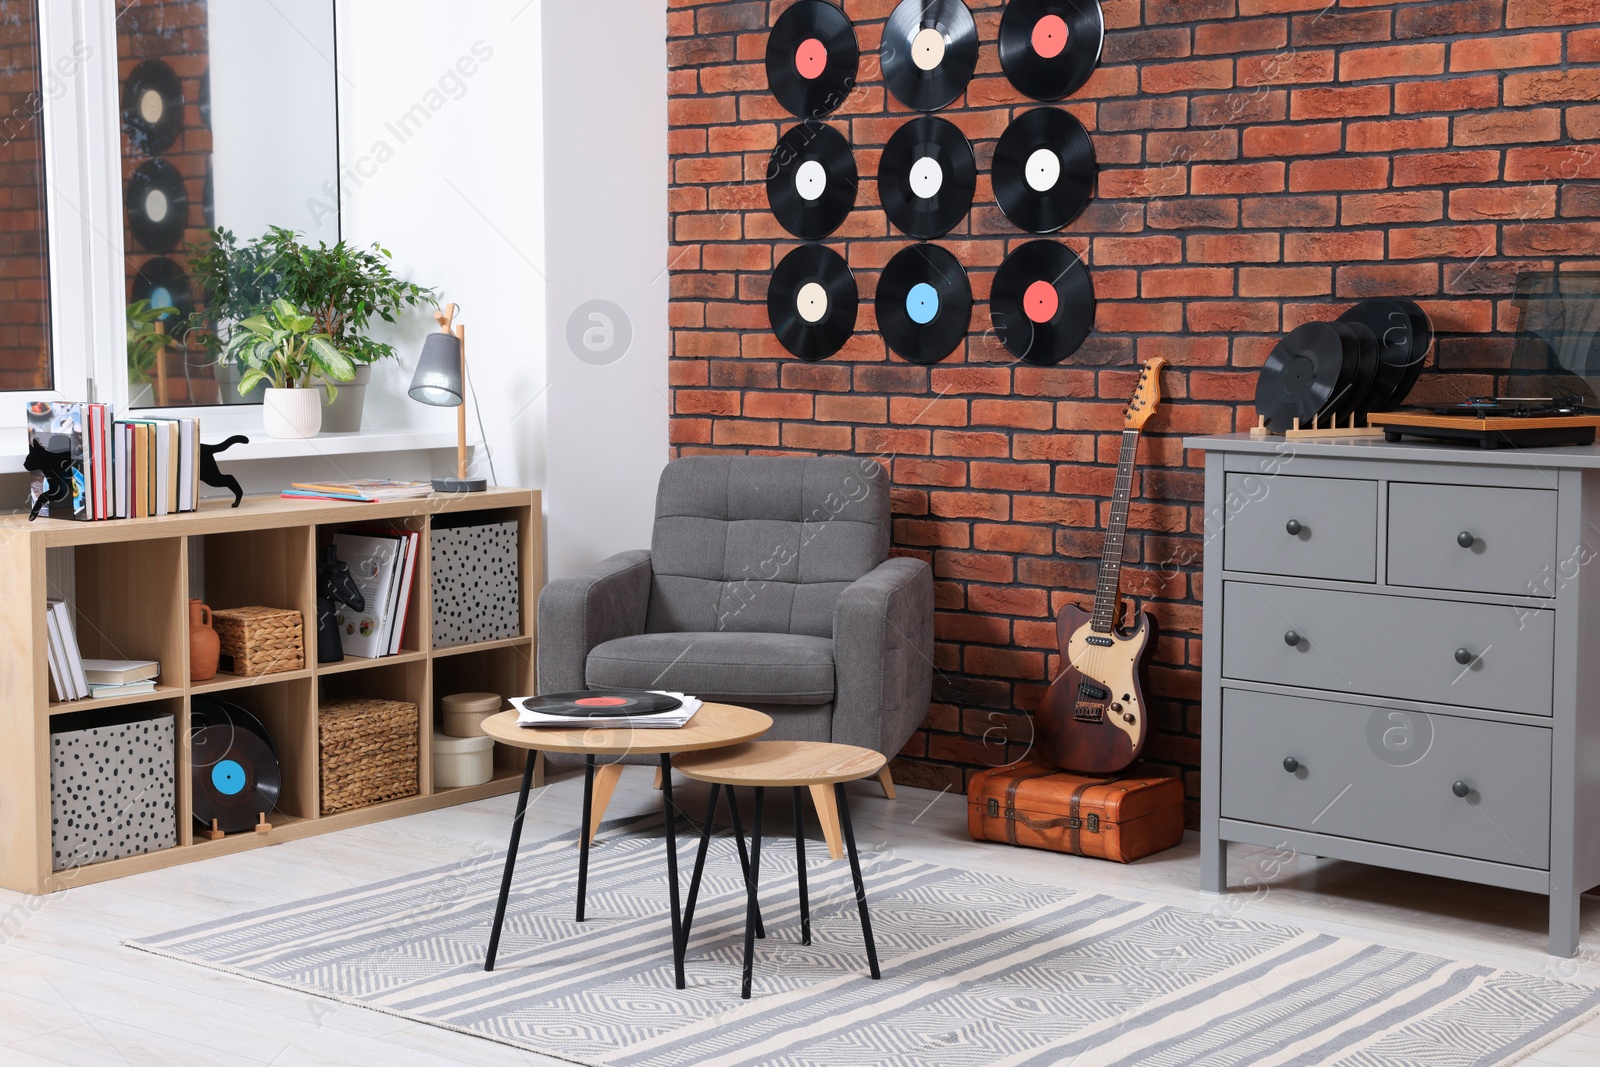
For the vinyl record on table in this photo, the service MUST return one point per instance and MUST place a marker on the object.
(164, 284)
(924, 303)
(1043, 170)
(1048, 48)
(1042, 303)
(158, 205)
(152, 107)
(234, 777)
(602, 705)
(1305, 376)
(812, 58)
(926, 177)
(811, 180)
(1404, 335)
(812, 302)
(929, 51)
(1363, 348)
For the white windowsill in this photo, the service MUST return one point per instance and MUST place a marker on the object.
(328, 444)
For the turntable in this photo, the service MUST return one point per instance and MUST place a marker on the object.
(1496, 422)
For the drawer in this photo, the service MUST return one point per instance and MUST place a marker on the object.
(1389, 646)
(1378, 774)
(1473, 537)
(1304, 527)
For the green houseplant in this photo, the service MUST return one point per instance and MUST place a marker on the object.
(284, 347)
(147, 339)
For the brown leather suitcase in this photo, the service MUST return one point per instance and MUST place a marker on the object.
(1034, 804)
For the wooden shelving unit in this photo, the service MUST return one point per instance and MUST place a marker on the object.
(131, 582)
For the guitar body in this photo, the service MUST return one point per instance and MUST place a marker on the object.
(1093, 719)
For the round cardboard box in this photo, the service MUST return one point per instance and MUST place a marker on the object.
(463, 713)
(459, 761)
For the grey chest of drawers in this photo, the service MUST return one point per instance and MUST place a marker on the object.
(1402, 660)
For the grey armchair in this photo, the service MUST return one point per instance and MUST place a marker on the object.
(768, 584)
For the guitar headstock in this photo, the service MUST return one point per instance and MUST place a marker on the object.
(1146, 395)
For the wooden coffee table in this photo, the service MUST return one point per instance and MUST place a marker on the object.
(713, 726)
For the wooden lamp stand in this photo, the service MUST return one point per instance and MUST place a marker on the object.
(460, 483)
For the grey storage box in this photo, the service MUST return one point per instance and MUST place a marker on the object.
(477, 588)
(113, 786)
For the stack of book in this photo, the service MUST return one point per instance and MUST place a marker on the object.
(66, 662)
(121, 677)
(119, 470)
(360, 490)
(383, 560)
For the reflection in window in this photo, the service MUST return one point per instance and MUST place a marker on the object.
(24, 256)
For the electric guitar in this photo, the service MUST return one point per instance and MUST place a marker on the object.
(1093, 719)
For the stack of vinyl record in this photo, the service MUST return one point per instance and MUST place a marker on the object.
(1365, 361)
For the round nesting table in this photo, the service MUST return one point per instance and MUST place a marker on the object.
(794, 765)
(713, 726)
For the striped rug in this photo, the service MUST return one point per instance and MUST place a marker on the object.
(978, 969)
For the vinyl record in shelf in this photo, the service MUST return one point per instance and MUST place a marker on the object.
(1042, 303)
(1048, 48)
(234, 777)
(164, 284)
(1403, 334)
(152, 107)
(926, 177)
(158, 205)
(1043, 170)
(929, 51)
(811, 180)
(924, 303)
(812, 58)
(812, 302)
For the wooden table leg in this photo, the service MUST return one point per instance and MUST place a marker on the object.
(800, 865)
(669, 813)
(855, 875)
(606, 776)
(751, 907)
(511, 864)
(828, 816)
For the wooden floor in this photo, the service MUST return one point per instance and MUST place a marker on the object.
(70, 993)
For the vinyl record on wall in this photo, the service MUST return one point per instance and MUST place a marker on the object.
(1042, 303)
(164, 284)
(208, 198)
(812, 58)
(926, 177)
(204, 104)
(924, 303)
(152, 107)
(1048, 48)
(811, 180)
(1043, 170)
(929, 51)
(158, 205)
(812, 302)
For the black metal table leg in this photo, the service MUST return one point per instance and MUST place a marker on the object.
(699, 867)
(744, 858)
(511, 862)
(800, 866)
(583, 833)
(752, 882)
(670, 815)
(855, 874)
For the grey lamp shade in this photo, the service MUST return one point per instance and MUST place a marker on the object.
(438, 378)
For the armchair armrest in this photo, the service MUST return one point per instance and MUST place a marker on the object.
(883, 656)
(599, 604)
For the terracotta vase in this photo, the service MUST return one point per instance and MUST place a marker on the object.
(204, 645)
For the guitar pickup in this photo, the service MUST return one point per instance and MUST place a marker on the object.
(1092, 692)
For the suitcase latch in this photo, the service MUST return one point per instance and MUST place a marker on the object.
(994, 807)
(1094, 823)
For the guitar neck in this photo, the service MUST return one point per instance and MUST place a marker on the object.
(1108, 589)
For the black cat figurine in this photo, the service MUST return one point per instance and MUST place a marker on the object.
(212, 476)
(335, 586)
(56, 469)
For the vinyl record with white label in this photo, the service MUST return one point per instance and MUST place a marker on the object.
(1041, 303)
(811, 180)
(1048, 48)
(929, 51)
(152, 107)
(158, 205)
(812, 302)
(1044, 170)
(926, 177)
(812, 58)
(923, 303)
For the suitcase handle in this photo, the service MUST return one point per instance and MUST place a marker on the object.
(1071, 822)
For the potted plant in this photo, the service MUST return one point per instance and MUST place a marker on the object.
(147, 339)
(283, 348)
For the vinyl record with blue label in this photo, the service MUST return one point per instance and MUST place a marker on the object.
(1043, 170)
(812, 58)
(1041, 303)
(152, 107)
(1048, 48)
(929, 52)
(164, 284)
(923, 303)
(812, 302)
(926, 177)
(811, 180)
(158, 205)
(234, 777)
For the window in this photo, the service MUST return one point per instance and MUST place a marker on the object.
(25, 361)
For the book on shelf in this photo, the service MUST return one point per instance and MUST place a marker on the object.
(126, 689)
(360, 490)
(375, 561)
(67, 673)
(120, 470)
(120, 671)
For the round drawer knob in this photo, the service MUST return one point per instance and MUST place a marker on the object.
(1291, 764)
(1463, 656)
(1294, 527)
(1465, 539)
(1291, 638)
(1461, 789)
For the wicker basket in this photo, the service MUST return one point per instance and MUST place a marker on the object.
(260, 640)
(369, 752)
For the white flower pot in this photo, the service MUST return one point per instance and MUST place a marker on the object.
(291, 413)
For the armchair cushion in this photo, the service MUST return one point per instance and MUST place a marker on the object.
(731, 667)
(602, 602)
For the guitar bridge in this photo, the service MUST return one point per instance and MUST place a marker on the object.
(1092, 713)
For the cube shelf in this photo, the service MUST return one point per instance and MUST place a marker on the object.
(129, 583)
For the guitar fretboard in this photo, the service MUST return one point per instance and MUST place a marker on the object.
(1108, 588)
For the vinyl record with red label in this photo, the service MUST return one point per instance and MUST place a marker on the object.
(926, 177)
(812, 57)
(929, 51)
(1043, 170)
(1042, 303)
(811, 180)
(158, 205)
(924, 303)
(234, 777)
(812, 302)
(1048, 48)
(590, 704)
(152, 107)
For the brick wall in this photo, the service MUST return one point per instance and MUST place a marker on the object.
(1262, 163)
(24, 267)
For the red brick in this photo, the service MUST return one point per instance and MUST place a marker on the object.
(1391, 61)
(777, 406)
(971, 443)
(1003, 663)
(1340, 102)
(1583, 46)
(1442, 242)
(1393, 135)
(1563, 163)
(740, 432)
(702, 111)
(1333, 26)
(1355, 172)
(1504, 202)
(1450, 95)
(1137, 250)
(1143, 317)
(949, 504)
(1340, 246)
(1265, 7)
(1022, 414)
(1289, 212)
(1384, 279)
(1521, 13)
(1508, 127)
(1186, 281)
(689, 431)
(1303, 139)
(880, 441)
(1446, 168)
(1363, 209)
(926, 411)
(1219, 213)
(1286, 68)
(1240, 35)
(1232, 248)
(852, 409)
(816, 438)
(1504, 52)
(1142, 182)
(1237, 178)
(944, 472)
(1018, 477)
(1547, 85)
(738, 78)
(1225, 109)
(1446, 18)
(1552, 238)
(1185, 76)
(1226, 316)
(1285, 281)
